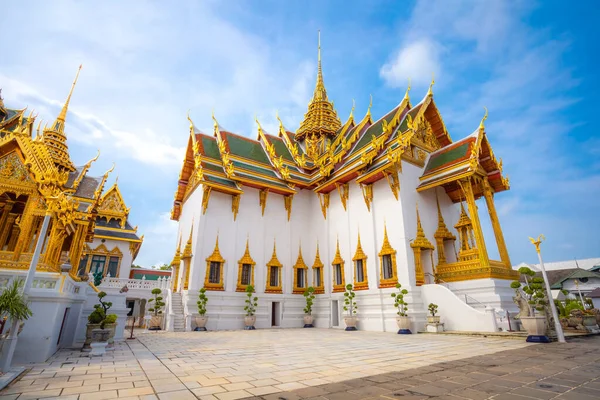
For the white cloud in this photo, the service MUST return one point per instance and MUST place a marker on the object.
(416, 61)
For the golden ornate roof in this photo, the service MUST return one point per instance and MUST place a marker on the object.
(317, 263)
(55, 137)
(321, 118)
(274, 262)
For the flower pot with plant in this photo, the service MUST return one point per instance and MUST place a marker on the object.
(402, 318)
(351, 308)
(433, 318)
(104, 325)
(13, 307)
(310, 298)
(201, 319)
(250, 308)
(536, 301)
(156, 310)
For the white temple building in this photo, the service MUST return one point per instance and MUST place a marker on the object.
(371, 201)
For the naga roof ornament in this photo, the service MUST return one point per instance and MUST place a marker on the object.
(321, 119)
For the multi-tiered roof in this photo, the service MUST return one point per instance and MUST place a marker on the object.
(324, 154)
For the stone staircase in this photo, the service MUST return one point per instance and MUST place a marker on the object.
(177, 306)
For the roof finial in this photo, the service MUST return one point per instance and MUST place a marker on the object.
(430, 91)
(407, 90)
(63, 113)
(320, 93)
(352, 110)
(370, 104)
(481, 125)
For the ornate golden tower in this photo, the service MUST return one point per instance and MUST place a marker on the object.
(321, 120)
(55, 137)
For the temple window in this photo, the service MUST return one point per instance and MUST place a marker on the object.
(338, 270)
(83, 265)
(274, 274)
(113, 266)
(300, 275)
(245, 270)
(318, 273)
(387, 259)
(360, 268)
(98, 264)
(214, 270)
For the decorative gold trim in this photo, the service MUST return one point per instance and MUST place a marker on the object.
(344, 191)
(235, 205)
(367, 191)
(420, 244)
(394, 182)
(324, 201)
(205, 197)
(215, 257)
(318, 269)
(246, 259)
(387, 250)
(337, 259)
(262, 199)
(300, 264)
(488, 193)
(442, 234)
(186, 257)
(176, 264)
(274, 263)
(287, 202)
(360, 255)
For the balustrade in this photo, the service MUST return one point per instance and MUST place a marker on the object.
(161, 283)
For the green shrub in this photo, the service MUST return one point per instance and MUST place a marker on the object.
(533, 290)
(110, 319)
(310, 297)
(432, 309)
(96, 317)
(202, 300)
(399, 302)
(13, 304)
(158, 303)
(251, 303)
(349, 303)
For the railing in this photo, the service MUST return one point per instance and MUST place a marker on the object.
(161, 283)
(43, 281)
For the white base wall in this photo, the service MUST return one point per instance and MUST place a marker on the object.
(495, 293)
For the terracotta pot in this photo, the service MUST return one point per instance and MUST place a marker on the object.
(536, 328)
(100, 335)
(249, 321)
(156, 323)
(201, 321)
(403, 324)
(589, 320)
(351, 323)
(433, 320)
(308, 321)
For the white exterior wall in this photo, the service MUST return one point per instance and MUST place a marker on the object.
(307, 225)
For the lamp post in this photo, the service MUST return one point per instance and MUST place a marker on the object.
(579, 291)
(11, 341)
(559, 332)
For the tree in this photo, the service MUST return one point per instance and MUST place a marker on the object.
(164, 267)
(136, 266)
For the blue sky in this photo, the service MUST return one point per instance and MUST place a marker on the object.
(533, 65)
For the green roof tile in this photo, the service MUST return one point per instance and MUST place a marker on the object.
(250, 167)
(211, 149)
(375, 129)
(247, 148)
(444, 157)
(281, 149)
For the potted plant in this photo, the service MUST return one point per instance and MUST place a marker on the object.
(350, 306)
(98, 317)
(433, 319)
(101, 334)
(536, 301)
(201, 319)
(310, 297)
(402, 318)
(13, 306)
(156, 310)
(250, 308)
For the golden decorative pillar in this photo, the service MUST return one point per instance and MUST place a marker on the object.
(441, 235)
(6, 228)
(187, 258)
(26, 225)
(467, 187)
(14, 236)
(175, 265)
(418, 245)
(6, 209)
(489, 199)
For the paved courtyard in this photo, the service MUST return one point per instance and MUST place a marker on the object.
(318, 363)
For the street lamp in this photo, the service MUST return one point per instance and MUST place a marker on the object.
(559, 332)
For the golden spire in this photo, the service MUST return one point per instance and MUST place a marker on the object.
(321, 117)
(177, 258)
(60, 120)
(421, 240)
(187, 251)
(300, 260)
(274, 262)
(216, 254)
(407, 90)
(481, 125)
(442, 230)
(370, 104)
(317, 263)
(352, 110)
(359, 254)
(337, 259)
(55, 137)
